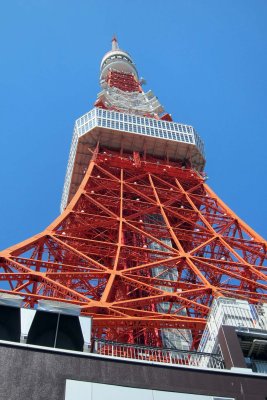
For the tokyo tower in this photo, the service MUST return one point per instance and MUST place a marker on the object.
(142, 245)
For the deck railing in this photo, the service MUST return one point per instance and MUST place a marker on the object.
(161, 355)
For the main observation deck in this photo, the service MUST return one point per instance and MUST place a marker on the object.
(113, 129)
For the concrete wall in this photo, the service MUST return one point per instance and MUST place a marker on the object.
(38, 374)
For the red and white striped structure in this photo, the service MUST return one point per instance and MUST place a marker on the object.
(143, 245)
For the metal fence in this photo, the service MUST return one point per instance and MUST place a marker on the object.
(259, 366)
(164, 355)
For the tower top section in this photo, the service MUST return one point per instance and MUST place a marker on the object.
(128, 120)
(117, 60)
(121, 87)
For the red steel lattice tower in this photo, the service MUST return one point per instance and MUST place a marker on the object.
(143, 245)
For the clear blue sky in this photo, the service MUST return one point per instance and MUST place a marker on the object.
(206, 60)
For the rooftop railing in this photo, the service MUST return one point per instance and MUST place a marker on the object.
(159, 355)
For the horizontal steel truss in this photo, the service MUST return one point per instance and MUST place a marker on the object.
(101, 253)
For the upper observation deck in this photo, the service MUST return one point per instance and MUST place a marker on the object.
(116, 130)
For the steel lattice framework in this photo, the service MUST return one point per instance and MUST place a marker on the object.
(144, 245)
(129, 217)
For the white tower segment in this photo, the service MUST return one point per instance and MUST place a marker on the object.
(129, 119)
(118, 60)
(134, 100)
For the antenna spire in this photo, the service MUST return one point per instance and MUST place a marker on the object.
(114, 42)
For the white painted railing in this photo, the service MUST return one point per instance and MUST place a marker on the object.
(160, 355)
